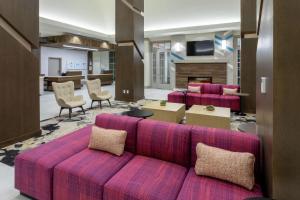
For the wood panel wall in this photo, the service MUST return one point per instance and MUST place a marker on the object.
(19, 72)
(129, 68)
(248, 73)
(218, 72)
(248, 53)
(278, 110)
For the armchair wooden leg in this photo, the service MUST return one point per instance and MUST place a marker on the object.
(100, 103)
(70, 112)
(60, 111)
(109, 102)
(82, 110)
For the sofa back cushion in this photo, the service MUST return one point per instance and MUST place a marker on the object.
(118, 122)
(231, 87)
(207, 88)
(165, 141)
(228, 140)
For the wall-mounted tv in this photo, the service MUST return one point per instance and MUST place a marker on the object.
(200, 48)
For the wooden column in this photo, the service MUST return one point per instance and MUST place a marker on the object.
(278, 109)
(248, 54)
(19, 71)
(130, 51)
(90, 62)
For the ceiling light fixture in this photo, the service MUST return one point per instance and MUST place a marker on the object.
(81, 48)
(134, 9)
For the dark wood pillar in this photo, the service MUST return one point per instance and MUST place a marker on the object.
(90, 62)
(19, 71)
(248, 54)
(130, 50)
(278, 106)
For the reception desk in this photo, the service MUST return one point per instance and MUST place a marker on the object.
(106, 79)
(61, 79)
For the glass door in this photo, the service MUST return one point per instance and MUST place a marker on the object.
(161, 65)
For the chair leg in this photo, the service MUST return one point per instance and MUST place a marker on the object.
(60, 111)
(70, 112)
(109, 102)
(82, 110)
(92, 104)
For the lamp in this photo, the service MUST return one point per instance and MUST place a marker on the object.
(224, 44)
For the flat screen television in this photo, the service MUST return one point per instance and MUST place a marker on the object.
(200, 48)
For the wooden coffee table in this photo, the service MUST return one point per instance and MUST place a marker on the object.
(172, 112)
(198, 115)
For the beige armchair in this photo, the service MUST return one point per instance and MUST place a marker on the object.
(94, 89)
(64, 95)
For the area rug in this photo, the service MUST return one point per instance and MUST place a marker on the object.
(59, 126)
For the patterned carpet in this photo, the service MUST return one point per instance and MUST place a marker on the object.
(59, 126)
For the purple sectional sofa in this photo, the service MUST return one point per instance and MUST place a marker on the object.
(211, 94)
(157, 164)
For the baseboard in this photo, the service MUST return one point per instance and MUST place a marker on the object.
(20, 138)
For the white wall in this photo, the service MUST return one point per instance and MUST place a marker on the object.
(100, 61)
(71, 59)
(147, 66)
(178, 43)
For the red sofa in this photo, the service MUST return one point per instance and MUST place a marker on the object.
(211, 94)
(158, 164)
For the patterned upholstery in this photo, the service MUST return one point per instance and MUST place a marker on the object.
(34, 168)
(193, 99)
(94, 90)
(228, 140)
(83, 175)
(146, 178)
(176, 97)
(165, 141)
(205, 188)
(129, 124)
(64, 95)
(211, 99)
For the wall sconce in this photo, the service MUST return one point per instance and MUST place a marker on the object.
(178, 47)
(224, 44)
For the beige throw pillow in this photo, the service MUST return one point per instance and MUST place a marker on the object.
(112, 141)
(228, 91)
(194, 89)
(230, 166)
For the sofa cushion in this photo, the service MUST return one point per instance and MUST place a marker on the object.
(212, 89)
(118, 122)
(232, 87)
(165, 141)
(205, 188)
(34, 168)
(83, 175)
(193, 99)
(146, 178)
(228, 140)
(194, 89)
(230, 101)
(235, 167)
(109, 140)
(210, 99)
(176, 97)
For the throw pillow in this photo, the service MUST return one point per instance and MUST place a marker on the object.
(112, 141)
(194, 89)
(226, 165)
(229, 91)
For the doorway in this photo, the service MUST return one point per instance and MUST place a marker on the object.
(161, 65)
(54, 66)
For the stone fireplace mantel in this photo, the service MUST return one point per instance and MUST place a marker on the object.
(215, 71)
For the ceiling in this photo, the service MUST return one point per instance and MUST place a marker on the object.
(96, 18)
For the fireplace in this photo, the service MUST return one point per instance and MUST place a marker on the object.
(197, 79)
